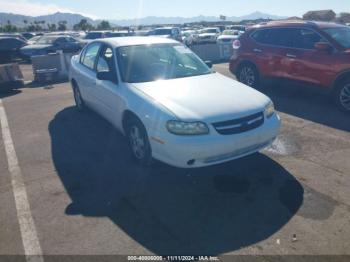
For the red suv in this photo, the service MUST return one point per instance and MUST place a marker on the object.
(311, 52)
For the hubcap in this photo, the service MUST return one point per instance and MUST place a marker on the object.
(247, 76)
(345, 97)
(137, 143)
(77, 97)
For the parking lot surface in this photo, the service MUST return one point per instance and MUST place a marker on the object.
(86, 196)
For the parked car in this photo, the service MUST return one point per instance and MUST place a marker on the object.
(28, 35)
(189, 37)
(314, 53)
(10, 48)
(228, 36)
(167, 32)
(51, 44)
(118, 34)
(240, 28)
(208, 35)
(33, 40)
(92, 35)
(13, 35)
(169, 104)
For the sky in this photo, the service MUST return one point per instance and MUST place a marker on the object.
(127, 9)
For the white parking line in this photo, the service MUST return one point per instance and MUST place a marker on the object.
(29, 235)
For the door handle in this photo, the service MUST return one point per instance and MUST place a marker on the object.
(256, 50)
(291, 56)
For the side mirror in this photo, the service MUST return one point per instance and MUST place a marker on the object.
(105, 75)
(209, 64)
(323, 47)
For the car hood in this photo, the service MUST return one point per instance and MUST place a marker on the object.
(209, 98)
(207, 34)
(228, 37)
(36, 47)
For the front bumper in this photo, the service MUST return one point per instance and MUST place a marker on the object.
(200, 151)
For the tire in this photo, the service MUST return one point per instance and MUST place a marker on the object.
(248, 75)
(140, 147)
(341, 95)
(79, 102)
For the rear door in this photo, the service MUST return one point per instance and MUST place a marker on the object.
(108, 93)
(87, 74)
(269, 50)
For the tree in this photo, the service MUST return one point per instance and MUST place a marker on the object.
(9, 27)
(344, 18)
(104, 25)
(62, 25)
(322, 15)
(83, 25)
(52, 27)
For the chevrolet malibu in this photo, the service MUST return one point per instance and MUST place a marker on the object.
(169, 104)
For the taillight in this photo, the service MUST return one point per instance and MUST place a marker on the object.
(236, 44)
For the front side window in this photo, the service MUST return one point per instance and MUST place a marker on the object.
(306, 39)
(89, 56)
(158, 62)
(340, 34)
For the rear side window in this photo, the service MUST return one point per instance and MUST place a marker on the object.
(89, 56)
(275, 36)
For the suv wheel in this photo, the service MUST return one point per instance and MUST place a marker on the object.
(138, 142)
(248, 75)
(342, 95)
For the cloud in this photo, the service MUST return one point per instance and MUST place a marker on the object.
(25, 7)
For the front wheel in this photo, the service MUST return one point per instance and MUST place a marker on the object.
(342, 95)
(248, 75)
(138, 142)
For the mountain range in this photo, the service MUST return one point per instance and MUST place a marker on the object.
(72, 19)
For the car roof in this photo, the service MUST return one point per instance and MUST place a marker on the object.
(135, 40)
(291, 23)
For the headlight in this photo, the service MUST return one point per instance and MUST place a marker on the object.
(269, 110)
(187, 129)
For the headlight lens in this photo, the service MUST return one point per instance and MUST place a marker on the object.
(187, 129)
(269, 110)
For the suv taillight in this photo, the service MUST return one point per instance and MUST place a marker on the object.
(236, 44)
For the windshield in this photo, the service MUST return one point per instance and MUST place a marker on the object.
(210, 30)
(162, 32)
(340, 34)
(156, 62)
(46, 40)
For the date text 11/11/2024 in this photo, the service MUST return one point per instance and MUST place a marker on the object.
(173, 258)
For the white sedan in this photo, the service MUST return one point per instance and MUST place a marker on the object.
(169, 103)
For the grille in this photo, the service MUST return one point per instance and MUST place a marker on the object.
(240, 125)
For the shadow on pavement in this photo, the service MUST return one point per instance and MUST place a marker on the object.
(168, 210)
(307, 103)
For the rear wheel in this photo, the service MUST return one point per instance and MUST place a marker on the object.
(342, 95)
(248, 75)
(138, 142)
(79, 102)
